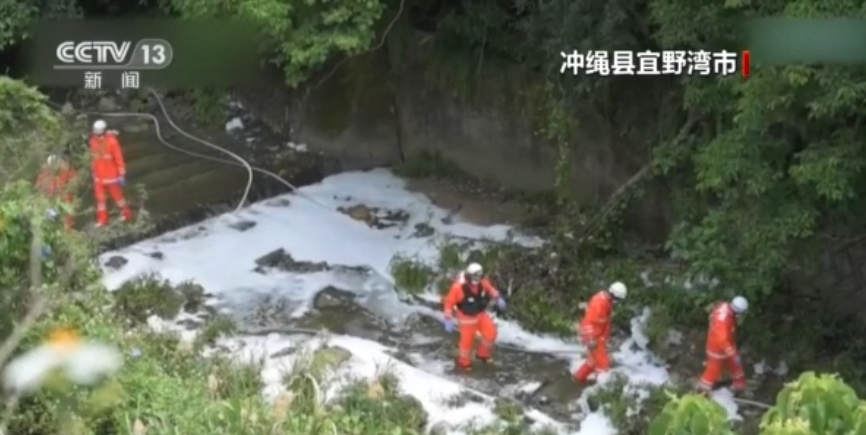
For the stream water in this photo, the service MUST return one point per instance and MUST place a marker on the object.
(304, 262)
(308, 262)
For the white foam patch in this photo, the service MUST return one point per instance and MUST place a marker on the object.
(222, 259)
(234, 124)
(368, 361)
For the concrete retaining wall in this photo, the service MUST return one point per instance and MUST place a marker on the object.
(372, 113)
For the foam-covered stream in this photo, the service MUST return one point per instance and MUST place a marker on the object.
(323, 249)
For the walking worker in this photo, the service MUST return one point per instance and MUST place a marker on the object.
(109, 172)
(594, 330)
(470, 295)
(55, 181)
(722, 345)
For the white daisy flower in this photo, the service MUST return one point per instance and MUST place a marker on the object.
(81, 361)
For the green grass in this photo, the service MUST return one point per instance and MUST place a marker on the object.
(451, 256)
(630, 410)
(215, 327)
(427, 164)
(148, 295)
(411, 275)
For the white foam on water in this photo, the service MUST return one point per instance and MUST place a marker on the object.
(222, 258)
(234, 124)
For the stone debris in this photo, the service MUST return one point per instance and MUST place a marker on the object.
(116, 262)
(374, 217)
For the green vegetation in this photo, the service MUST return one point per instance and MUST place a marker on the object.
(148, 296)
(431, 165)
(631, 410)
(302, 36)
(762, 176)
(207, 105)
(410, 275)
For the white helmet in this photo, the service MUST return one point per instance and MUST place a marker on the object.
(52, 159)
(739, 304)
(474, 272)
(99, 126)
(618, 290)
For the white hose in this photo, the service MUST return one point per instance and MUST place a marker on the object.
(754, 403)
(238, 160)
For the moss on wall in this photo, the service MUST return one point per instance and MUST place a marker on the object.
(473, 77)
(329, 109)
(350, 94)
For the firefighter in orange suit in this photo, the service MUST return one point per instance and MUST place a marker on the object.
(594, 330)
(54, 180)
(722, 345)
(470, 295)
(109, 172)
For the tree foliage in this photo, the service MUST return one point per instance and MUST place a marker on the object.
(764, 173)
(778, 156)
(300, 35)
(19, 14)
(30, 131)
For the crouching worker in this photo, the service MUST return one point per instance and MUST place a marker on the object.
(55, 181)
(594, 330)
(470, 295)
(722, 345)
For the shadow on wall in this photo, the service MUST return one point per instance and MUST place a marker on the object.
(838, 278)
(369, 114)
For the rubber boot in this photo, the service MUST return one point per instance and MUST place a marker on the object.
(101, 218)
(582, 374)
(462, 364)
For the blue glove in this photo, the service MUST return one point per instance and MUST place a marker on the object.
(449, 325)
(737, 361)
(121, 181)
(500, 303)
(46, 252)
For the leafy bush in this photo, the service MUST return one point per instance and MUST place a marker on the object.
(813, 404)
(411, 275)
(146, 296)
(630, 408)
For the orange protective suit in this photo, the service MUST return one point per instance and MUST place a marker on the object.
(722, 349)
(471, 302)
(108, 170)
(594, 331)
(54, 181)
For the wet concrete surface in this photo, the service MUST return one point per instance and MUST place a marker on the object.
(173, 181)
